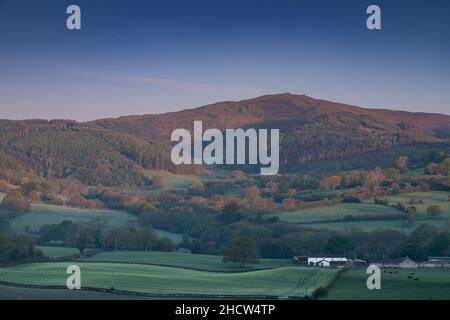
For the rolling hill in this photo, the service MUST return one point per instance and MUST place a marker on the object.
(312, 129)
(117, 151)
(63, 149)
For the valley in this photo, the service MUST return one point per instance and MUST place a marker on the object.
(363, 184)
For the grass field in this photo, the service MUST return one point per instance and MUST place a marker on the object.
(431, 284)
(160, 281)
(373, 225)
(338, 211)
(176, 181)
(433, 197)
(22, 293)
(42, 214)
(57, 252)
(183, 260)
(335, 212)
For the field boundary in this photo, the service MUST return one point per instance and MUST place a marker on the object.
(332, 282)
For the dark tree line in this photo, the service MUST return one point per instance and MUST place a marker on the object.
(96, 234)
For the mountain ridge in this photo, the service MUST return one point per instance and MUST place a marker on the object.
(284, 102)
(119, 148)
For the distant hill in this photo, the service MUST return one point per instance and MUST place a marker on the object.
(116, 151)
(312, 129)
(62, 149)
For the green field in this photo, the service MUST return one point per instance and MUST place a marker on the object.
(57, 252)
(373, 225)
(160, 281)
(431, 284)
(42, 214)
(339, 211)
(433, 197)
(183, 260)
(23, 293)
(176, 181)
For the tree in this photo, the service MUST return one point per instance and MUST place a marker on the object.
(15, 203)
(330, 182)
(402, 163)
(320, 293)
(413, 249)
(289, 204)
(372, 181)
(338, 244)
(197, 188)
(230, 213)
(253, 192)
(434, 211)
(165, 244)
(243, 250)
(148, 238)
(410, 212)
(440, 245)
(418, 241)
(157, 181)
(14, 247)
(351, 199)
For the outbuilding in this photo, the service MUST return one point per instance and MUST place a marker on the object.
(407, 263)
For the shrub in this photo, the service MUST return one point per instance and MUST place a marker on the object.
(351, 199)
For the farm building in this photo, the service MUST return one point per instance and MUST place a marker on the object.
(407, 263)
(327, 261)
(439, 259)
(439, 262)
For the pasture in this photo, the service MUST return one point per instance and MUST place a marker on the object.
(183, 260)
(429, 198)
(23, 293)
(57, 252)
(42, 214)
(339, 211)
(175, 181)
(168, 281)
(430, 284)
(373, 225)
(335, 212)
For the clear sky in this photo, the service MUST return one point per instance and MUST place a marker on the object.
(137, 57)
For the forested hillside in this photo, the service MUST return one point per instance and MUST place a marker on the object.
(311, 129)
(313, 132)
(64, 149)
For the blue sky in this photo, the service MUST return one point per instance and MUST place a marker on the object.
(137, 57)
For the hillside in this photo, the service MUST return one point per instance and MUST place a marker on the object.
(117, 151)
(63, 149)
(311, 129)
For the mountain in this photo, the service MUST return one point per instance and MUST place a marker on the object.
(315, 134)
(312, 129)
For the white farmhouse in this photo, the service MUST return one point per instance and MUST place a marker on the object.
(326, 261)
(407, 263)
